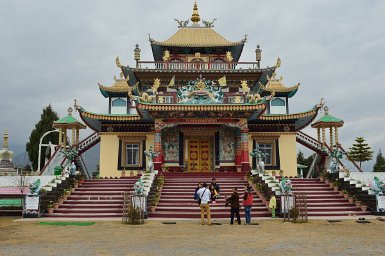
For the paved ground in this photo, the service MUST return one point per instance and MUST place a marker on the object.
(270, 237)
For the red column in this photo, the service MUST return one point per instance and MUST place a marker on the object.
(238, 153)
(245, 164)
(158, 160)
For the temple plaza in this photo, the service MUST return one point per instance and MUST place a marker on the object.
(195, 112)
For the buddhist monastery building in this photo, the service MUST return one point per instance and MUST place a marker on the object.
(198, 108)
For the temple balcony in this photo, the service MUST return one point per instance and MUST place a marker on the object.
(197, 65)
(229, 98)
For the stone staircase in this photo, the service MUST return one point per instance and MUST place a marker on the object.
(100, 198)
(323, 200)
(177, 196)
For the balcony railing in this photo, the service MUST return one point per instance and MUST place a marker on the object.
(197, 65)
(229, 98)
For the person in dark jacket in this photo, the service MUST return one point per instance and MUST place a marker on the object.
(216, 187)
(233, 200)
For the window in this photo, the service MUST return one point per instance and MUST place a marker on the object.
(118, 103)
(132, 154)
(277, 102)
(267, 150)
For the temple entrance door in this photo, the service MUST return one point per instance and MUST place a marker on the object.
(200, 155)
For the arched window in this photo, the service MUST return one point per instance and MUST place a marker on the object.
(118, 103)
(277, 102)
(218, 64)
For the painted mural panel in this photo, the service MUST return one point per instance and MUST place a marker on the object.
(227, 144)
(170, 141)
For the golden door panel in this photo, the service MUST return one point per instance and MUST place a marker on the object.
(199, 155)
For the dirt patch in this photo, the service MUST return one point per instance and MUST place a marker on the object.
(270, 237)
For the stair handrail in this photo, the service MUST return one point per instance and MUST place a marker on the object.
(311, 168)
(306, 138)
(87, 141)
(85, 171)
(57, 149)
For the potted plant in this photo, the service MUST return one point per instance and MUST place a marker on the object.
(336, 184)
(50, 207)
(56, 205)
(281, 173)
(350, 198)
(345, 193)
(364, 207)
(322, 176)
(273, 173)
(357, 201)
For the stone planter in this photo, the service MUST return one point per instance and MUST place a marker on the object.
(331, 185)
(335, 189)
(322, 179)
(346, 196)
(358, 203)
(76, 185)
(326, 181)
(50, 210)
(56, 205)
(351, 199)
(364, 208)
(341, 193)
(152, 208)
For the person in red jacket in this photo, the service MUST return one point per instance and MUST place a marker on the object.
(247, 203)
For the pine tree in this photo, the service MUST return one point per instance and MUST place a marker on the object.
(360, 151)
(44, 125)
(379, 166)
(300, 158)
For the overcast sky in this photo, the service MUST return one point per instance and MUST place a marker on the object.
(56, 51)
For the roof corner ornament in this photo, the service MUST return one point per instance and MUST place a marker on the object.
(209, 24)
(321, 104)
(244, 40)
(278, 64)
(150, 39)
(117, 62)
(182, 23)
(271, 96)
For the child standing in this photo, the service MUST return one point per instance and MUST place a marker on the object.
(273, 205)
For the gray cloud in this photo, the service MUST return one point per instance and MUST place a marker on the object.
(56, 51)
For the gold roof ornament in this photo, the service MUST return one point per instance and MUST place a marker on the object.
(5, 139)
(166, 55)
(195, 16)
(117, 62)
(155, 86)
(254, 98)
(275, 84)
(120, 85)
(245, 87)
(229, 56)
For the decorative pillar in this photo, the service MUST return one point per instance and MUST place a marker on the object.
(238, 153)
(336, 135)
(323, 137)
(65, 139)
(77, 136)
(124, 150)
(73, 142)
(245, 164)
(158, 146)
(331, 137)
(319, 134)
(61, 137)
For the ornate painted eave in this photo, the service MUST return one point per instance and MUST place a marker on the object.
(94, 120)
(119, 86)
(202, 111)
(301, 120)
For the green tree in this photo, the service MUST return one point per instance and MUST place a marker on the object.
(379, 166)
(300, 158)
(44, 125)
(360, 151)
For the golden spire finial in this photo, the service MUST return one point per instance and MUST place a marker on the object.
(195, 16)
(5, 140)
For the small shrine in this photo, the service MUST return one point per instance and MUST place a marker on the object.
(6, 165)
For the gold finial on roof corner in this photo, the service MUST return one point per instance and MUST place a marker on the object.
(5, 140)
(195, 16)
(278, 64)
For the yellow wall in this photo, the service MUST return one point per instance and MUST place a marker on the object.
(288, 154)
(109, 151)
